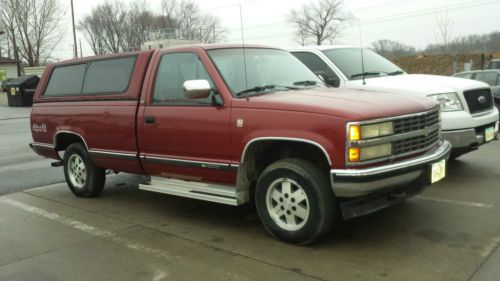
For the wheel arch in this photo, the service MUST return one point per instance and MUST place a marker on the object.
(275, 148)
(63, 139)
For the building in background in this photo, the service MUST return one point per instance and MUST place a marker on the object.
(8, 68)
(35, 70)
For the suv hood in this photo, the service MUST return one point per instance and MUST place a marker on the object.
(351, 104)
(417, 84)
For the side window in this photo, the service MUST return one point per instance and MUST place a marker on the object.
(66, 80)
(173, 71)
(464, 75)
(489, 78)
(319, 67)
(117, 73)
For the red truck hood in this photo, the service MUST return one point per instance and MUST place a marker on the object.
(353, 105)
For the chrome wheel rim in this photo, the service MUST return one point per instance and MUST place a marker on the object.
(287, 204)
(77, 171)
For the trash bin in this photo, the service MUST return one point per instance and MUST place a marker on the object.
(21, 90)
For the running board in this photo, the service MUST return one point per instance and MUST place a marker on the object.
(196, 190)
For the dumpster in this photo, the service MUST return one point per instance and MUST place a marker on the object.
(21, 90)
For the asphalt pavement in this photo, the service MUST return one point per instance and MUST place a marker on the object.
(449, 232)
(20, 168)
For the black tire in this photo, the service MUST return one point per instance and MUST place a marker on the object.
(92, 180)
(302, 176)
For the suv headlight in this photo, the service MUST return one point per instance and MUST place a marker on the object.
(448, 101)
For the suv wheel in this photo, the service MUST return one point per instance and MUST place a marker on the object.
(295, 201)
(83, 177)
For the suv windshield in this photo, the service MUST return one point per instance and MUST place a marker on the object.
(348, 60)
(267, 70)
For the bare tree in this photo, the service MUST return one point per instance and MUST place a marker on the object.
(32, 27)
(115, 27)
(392, 49)
(320, 21)
(191, 23)
(444, 31)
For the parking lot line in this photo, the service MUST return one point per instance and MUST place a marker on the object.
(463, 203)
(87, 228)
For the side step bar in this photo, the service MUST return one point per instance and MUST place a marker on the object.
(196, 190)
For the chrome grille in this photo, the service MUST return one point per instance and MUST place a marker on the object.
(415, 123)
(416, 143)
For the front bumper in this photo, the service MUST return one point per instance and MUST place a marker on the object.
(361, 182)
(473, 137)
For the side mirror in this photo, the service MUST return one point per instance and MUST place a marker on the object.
(197, 89)
(334, 81)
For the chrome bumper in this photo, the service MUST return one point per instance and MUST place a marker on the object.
(361, 182)
(466, 138)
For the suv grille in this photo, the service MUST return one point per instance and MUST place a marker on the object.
(479, 100)
(415, 123)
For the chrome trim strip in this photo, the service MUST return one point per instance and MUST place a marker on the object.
(391, 138)
(285, 139)
(190, 163)
(442, 152)
(46, 145)
(69, 132)
(103, 153)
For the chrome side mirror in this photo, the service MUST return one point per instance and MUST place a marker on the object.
(197, 89)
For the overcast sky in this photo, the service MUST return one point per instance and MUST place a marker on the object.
(264, 21)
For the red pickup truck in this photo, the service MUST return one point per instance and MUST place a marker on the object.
(231, 125)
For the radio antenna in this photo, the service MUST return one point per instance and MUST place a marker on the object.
(362, 56)
(243, 47)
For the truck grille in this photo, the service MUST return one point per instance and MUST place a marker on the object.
(479, 100)
(415, 123)
(416, 143)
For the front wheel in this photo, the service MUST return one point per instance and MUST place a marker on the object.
(295, 201)
(82, 176)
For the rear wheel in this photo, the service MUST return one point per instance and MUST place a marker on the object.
(82, 176)
(295, 201)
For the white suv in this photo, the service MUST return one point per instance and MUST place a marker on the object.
(469, 117)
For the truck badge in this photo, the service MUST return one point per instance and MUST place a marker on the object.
(42, 128)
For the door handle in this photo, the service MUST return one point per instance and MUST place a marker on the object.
(149, 119)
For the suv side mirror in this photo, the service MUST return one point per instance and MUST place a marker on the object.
(197, 89)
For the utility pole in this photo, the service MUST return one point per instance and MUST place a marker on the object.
(75, 49)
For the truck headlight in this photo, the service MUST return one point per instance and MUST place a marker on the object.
(362, 132)
(448, 101)
(376, 151)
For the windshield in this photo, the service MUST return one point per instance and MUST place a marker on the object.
(348, 60)
(266, 70)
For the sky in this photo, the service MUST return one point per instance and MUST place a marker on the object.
(265, 21)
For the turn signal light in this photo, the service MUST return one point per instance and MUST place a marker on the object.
(354, 133)
(354, 154)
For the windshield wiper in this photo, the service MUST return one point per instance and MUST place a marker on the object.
(305, 83)
(397, 72)
(367, 73)
(259, 89)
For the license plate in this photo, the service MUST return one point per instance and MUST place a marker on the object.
(13, 91)
(438, 171)
(489, 134)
